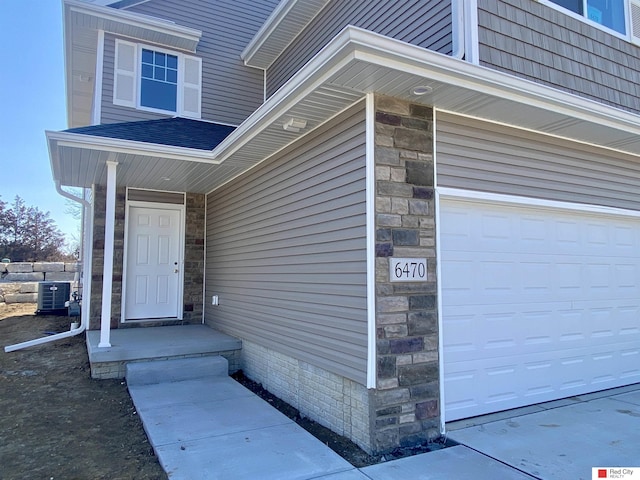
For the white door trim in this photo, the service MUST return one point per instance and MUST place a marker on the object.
(181, 233)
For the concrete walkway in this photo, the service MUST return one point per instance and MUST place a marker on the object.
(202, 424)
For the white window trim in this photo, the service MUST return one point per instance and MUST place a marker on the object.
(628, 36)
(180, 109)
(139, 79)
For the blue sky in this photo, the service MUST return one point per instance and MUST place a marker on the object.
(32, 95)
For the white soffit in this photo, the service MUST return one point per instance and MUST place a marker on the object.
(356, 62)
(283, 25)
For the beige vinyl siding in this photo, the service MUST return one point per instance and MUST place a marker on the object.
(426, 23)
(477, 155)
(546, 45)
(231, 91)
(286, 250)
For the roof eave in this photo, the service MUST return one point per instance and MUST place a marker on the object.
(283, 25)
(356, 44)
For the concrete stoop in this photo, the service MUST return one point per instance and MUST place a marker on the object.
(161, 344)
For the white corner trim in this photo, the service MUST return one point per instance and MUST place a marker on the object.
(371, 239)
(440, 324)
(458, 27)
(442, 399)
(471, 47)
(487, 197)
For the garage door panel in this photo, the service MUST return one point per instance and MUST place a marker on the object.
(497, 385)
(510, 334)
(550, 276)
(537, 304)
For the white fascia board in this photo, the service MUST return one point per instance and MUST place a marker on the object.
(356, 43)
(93, 142)
(277, 22)
(387, 52)
(267, 29)
(133, 19)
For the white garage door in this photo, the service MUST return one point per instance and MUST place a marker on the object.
(537, 304)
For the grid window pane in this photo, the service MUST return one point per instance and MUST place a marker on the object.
(160, 59)
(159, 83)
(147, 71)
(147, 56)
(159, 73)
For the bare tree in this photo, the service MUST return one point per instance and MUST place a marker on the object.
(28, 235)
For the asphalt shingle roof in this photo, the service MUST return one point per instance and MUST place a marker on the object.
(176, 132)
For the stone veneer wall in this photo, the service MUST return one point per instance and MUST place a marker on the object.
(404, 408)
(193, 264)
(335, 402)
(406, 400)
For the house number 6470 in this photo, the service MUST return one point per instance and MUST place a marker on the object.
(408, 269)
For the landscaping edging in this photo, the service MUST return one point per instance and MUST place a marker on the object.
(19, 280)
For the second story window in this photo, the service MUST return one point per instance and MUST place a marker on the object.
(157, 80)
(609, 13)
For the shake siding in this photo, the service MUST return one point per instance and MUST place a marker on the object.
(286, 251)
(426, 23)
(535, 41)
(231, 91)
(488, 157)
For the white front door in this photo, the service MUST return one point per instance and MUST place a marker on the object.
(537, 304)
(153, 268)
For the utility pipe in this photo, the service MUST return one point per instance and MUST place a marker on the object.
(84, 319)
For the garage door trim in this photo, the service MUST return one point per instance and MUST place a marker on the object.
(479, 197)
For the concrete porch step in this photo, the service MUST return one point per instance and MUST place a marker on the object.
(176, 370)
(157, 344)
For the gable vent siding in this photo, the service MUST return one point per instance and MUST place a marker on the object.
(476, 155)
(286, 251)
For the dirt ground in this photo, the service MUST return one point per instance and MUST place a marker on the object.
(58, 423)
(55, 421)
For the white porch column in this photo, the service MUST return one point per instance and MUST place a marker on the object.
(107, 275)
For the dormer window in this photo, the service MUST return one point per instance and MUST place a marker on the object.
(149, 78)
(159, 80)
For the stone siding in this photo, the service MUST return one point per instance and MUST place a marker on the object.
(407, 409)
(335, 402)
(193, 265)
